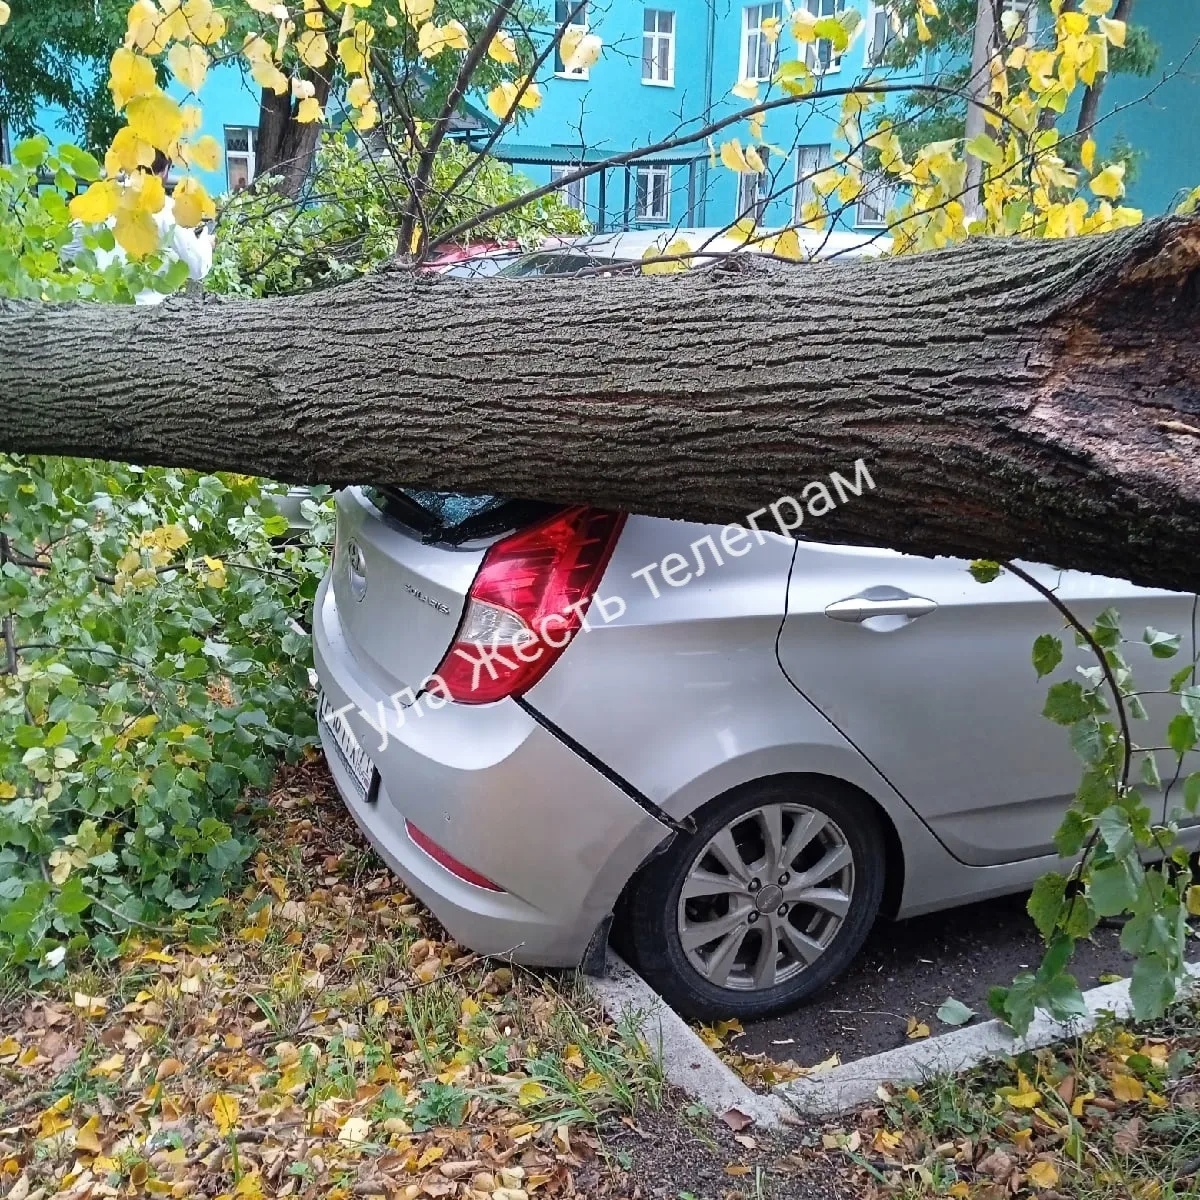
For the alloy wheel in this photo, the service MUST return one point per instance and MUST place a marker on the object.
(765, 896)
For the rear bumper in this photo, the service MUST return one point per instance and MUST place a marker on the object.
(497, 792)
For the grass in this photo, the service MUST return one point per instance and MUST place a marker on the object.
(1112, 1116)
(331, 1040)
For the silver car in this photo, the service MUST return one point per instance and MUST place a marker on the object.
(744, 771)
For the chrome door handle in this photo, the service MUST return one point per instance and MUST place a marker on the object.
(862, 608)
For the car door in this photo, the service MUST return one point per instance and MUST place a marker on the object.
(929, 673)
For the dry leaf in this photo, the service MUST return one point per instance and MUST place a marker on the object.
(736, 1119)
(916, 1029)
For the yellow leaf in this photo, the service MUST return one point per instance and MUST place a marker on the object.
(579, 49)
(922, 27)
(677, 255)
(430, 1155)
(502, 98)
(7, 792)
(1024, 1095)
(156, 119)
(916, 1030)
(886, 1141)
(1110, 183)
(109, 1066)
(137, 234)
(204, 153)
(189, 64)
(1087, 155)
(127, 153)
(456, 35)
(130, 75)
(146, 193)
(531, 97)
(5, 12)
(225, 1112)
(787, 245)
(524, 1129)
(417, 11)
(433, 39)
(741, 231)
(503, 49)
(734, 157)
(358, 93)
(591, 1081)
(93, 1006)
(60, 866)
(54, 1120)
(192, 204)
(754, 160)
(313, 48)
(746, 89)
(1042, 1175)
(354, 1131)
(269, 77)
(1096, 8)
(1113, 30)
(1126, 1088)
(86, 1139)
(310, 110)
(530, 1093)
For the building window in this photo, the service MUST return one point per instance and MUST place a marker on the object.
(754, 192)
(883, 30)
(241, 145)
(819, 55)
(569, 14)
(1027, 12)
(574, 194)
(810, 160)
(658, 47)
(653, 193)
(878, 198)
(759, 48)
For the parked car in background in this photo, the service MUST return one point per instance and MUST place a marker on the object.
(737, 775)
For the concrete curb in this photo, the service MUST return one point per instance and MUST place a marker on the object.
(687, 1062)
(848, 1086)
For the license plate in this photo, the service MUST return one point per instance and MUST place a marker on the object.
(355, 758)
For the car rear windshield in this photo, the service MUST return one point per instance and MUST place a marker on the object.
(455, 517)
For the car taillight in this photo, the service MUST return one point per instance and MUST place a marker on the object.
(527, 603)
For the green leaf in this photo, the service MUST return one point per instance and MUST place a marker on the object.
(1107, 628)
(985, 148)
(983, 570)
(1046, 902)
(1087, 741)
(954, 1012)
(1063, 999)
(1191, 793)
(1152, 988)
(31, 152)
(1189, 697)
(1149, 771)
(1071, 834)
(79, 162)
(1067, 703)
(1115, 832)
(1111, 890)
(1047, 654)
(72, 899)
(1162, 645)
(1181, 733)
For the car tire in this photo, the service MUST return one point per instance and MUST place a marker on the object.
(815, 931)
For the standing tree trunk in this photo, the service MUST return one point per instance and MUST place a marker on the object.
(1010, 398)
(285, 148)
(1090, 105)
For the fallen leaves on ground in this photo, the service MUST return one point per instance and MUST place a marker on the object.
(1113, 1116)
(331, 1042)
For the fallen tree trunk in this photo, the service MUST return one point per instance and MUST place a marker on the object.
(1029, 399)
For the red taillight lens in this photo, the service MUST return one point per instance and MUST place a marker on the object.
(527, 603)
(447, 860)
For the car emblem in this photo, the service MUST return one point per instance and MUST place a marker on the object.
(356, 568)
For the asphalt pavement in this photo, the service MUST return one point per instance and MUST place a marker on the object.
(908, 968)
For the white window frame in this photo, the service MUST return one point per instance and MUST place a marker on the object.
(580, 23)
(574, 194)
(653, 41)
(805, 191)
(754, 191)
(887, 10)
(812, 50)
(882, 186)
(753, 41)
(249, 156)
(649, 173)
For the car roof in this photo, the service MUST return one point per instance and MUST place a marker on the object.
(630, 245)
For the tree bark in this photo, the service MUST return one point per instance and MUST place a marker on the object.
(1011, 399)
(284, 147)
